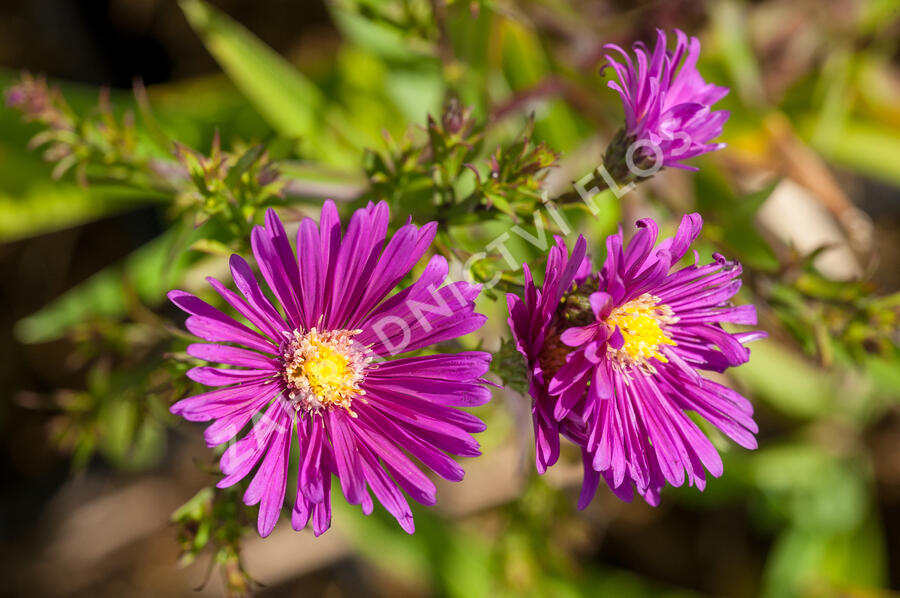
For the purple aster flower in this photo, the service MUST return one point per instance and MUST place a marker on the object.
(667, 108)
(614, 359)
(320, 366)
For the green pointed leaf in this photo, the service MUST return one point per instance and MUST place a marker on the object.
(290, 102)
(243, 164)
(287, 99)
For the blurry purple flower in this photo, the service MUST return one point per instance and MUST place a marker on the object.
(667, 108)
(614, 359)
(15, 97)
(38, 102)
(322, 368)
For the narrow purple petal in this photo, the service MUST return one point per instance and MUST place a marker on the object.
(346, 457)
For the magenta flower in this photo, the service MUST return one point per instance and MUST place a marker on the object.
(614, 358)
(322, 368)
(667, 108)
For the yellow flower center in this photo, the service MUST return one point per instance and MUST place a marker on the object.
(325, 369)
(641, 323)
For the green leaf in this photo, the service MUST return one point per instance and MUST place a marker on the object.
(786, 381)
(792, 564)
(885, 373)
(285, 97)
(288, 100)
(465, 569)
(807, 562)
(857, 558)
(129, 441)
(375, 37)
(526, 63)
(243, 164)
(729, 23)
(867, 147)
(810, 488)
(833, 87)
(195, 506)
(192, 110)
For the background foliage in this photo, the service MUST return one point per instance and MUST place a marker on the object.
(450, 111)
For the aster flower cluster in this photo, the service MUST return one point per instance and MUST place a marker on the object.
(615, 357)
(668, 105)
(317, 370)
(342, 362)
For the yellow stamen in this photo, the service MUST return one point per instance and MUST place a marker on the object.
(641, 323)
(324, 369)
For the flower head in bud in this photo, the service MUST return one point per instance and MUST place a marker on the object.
(668, 108)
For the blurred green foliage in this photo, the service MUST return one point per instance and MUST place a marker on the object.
(457, 111)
